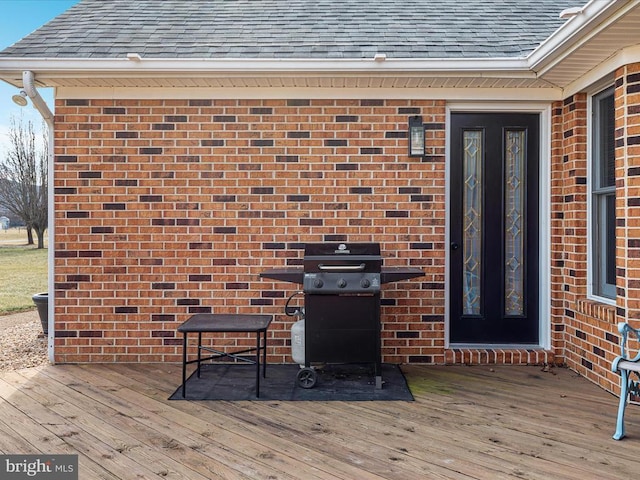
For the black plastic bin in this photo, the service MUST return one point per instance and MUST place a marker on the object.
(42, 302)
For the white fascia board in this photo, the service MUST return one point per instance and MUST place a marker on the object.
(597, 15)
(87, 68)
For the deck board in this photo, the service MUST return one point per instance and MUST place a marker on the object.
(466, 423)
(260, 432)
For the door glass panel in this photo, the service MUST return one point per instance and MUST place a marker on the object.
(472, 222)
(513, 222)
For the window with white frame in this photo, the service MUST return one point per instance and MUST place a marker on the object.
(603, 195)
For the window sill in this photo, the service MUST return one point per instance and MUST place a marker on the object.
(597, 310)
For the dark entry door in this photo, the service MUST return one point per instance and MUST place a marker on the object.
(494, 228)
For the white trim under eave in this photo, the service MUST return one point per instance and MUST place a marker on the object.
(271, 93)
(597, 15)
(624, 57)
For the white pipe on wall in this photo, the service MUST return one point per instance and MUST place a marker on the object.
(28, 82)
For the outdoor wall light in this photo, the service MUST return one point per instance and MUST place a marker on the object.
(416, 136)
(20, 98)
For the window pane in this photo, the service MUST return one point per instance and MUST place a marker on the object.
(610, 249)
(513, 223)
(606, 141)
(472, 222)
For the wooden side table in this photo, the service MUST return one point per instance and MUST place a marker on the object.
(224, 323)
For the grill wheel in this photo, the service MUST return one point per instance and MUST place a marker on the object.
(307, 377)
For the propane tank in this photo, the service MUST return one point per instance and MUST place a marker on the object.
(297, 330)
(297, 342)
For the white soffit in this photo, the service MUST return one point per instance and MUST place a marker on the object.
(297, 82)
(486, 94)
(582, 45)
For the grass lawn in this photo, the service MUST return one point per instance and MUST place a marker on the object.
(23, 272)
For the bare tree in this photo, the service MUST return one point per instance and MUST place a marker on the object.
(24, 178)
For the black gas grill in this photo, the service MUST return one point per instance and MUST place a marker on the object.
(341, 283)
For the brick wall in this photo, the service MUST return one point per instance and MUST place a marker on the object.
(589, 328)
(557, 221)
(569, 217)
(628, 191)
(628, 196)
(168, 208)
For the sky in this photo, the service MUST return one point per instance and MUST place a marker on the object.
(18, 18)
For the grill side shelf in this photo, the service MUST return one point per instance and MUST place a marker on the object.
(291, 275)
(397, 274)
(388, 274)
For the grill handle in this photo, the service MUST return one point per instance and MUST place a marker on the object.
(341, 268)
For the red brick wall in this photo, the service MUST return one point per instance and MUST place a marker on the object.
(628, 191)
(628, 196)
(167, 208)
(589, 328)
(557, 221)
(569, 219)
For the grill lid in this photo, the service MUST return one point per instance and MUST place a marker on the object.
(369, 249)
(342, 268)
(342, 257)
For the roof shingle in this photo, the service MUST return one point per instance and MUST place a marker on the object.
(295, 29)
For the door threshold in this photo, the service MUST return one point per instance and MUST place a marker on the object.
(498, 355)
(494, 346)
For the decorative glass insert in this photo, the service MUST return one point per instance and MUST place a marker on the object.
(472, 222)
(513, 222)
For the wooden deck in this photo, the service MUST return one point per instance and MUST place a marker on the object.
(467, 422)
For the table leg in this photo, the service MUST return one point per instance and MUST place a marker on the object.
(184, 363)
(257, 364)
(199, 351)
(264, 356)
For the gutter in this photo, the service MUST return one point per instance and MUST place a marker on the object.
(151, 67)
(28, 85)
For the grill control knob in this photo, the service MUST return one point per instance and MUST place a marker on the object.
(365, 283)
(318, 283)
(342, 283)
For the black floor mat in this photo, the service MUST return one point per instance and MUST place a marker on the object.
(335, 382)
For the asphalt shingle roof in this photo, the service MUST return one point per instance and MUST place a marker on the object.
(295, 29)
